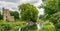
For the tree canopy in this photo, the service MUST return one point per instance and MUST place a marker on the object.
(52, 10)
(28, 12)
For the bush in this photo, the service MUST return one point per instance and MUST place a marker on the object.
(29, 28)
(57, 26)
(11, 26)
(47, 26)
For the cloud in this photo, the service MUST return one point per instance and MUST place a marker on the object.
(33, 2)
(41, 11)
(15, 1)
(13, 4)
(8, 5)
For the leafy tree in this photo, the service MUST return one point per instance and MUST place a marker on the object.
(1, 16)
(52, 10)
(51, 7)
(28, 12)
(55, 18)
(15, 14)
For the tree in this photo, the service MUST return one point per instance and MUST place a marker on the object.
(52, 10)
(51, 7)
(55, 18)
(15, 14)
(1, 16)
(28, 12)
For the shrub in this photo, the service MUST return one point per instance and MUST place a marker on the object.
(47, 26)
(11, 26)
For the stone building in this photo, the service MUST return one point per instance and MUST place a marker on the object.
(7, 16)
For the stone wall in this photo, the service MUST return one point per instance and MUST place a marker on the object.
(7, 16)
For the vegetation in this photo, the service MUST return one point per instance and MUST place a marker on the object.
(15, 14)
(1, 17)
(11, 26)
(47, 26)
(12, 13)
(50, 20)
(28, 12)
(52, 12)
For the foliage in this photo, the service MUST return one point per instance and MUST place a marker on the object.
(57, 26)
(1, 16)
(6, 27)
(11, 26)
(51, 7)
(47, 26)
(15, 14)
(29, 28)
(28, 12)
(55, 18)
(52, 10)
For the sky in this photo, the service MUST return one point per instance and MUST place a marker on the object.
(13, 4)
